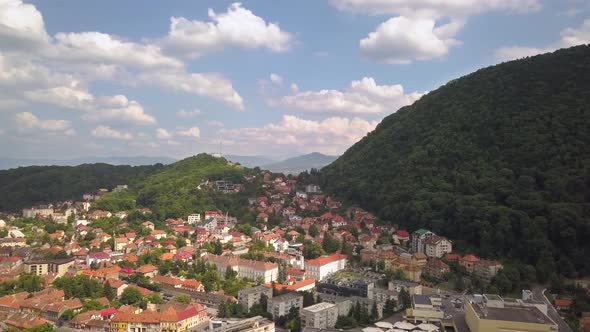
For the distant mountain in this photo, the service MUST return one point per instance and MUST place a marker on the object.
(302, 163)
(8, 163)
(251, 161)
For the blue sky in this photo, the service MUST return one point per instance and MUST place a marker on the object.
(174, 78)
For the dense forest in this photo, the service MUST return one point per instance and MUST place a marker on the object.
(25, 186)
(498, 160)
(180, 188)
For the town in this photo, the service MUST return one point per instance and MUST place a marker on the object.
(306, 263)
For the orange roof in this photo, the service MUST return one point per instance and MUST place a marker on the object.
(143, 291)
(294, 287)
(191, 284)
(320, 261)
(420, 255)
(563, 302)
(470, 258)
(166, 256)
(146, 268)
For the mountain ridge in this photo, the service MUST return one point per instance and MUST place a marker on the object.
(497, 160)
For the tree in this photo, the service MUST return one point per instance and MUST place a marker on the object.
(155, 298)
(346, 322)
(67, 315)
(313, 231)
(282, 278)
(222, 310)
(329, 244)
(108, 291)
(374, 312)
(130, 296)
(404, 299)
(182, 299)
(389, 308)
(230, 274)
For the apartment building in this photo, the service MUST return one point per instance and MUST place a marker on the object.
(251, 296)
(281, 305)
(438, 246)
(248, 269)
(321, 267)
(43, 267)
(322, 315)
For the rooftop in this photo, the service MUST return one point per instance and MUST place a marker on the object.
(319, 307)
(513, 314)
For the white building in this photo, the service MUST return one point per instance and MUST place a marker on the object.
(34, 212)
(194, 219)
(322, 315)
(320, 267)
(247, 269)
(438, 246)
(281, 305)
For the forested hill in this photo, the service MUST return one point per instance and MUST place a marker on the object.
(25, 186)
(498, 159)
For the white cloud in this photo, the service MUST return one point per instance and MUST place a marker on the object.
(193, 132)
(88, 56)
(276, 79)
(120, 109)
(362, 97)
(401, 40)
(332, 135)
(435, 8)
(203, 84)
(184, 114)
(110, 133)
(422, 29)
(569, 37)
(26, 121)
(162, 133)
(96, 47)
(21, 26)
(214, 123)
(238, 27)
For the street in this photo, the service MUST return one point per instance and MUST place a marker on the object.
(538, 294)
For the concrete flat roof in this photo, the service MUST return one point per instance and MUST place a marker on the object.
(512, 314)
(319, 307)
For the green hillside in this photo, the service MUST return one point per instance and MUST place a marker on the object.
(174, 191)
(26, 186)
(498, 159)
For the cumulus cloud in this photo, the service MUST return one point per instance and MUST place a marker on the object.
(332, 135)
(422, 29)
(119, 108)
(569, 37)
(193, 132)
(96, 47)
(238, 27)
(276, 79)
(361, 97)
(26, 121)
(185, 114)
(162, 133)
(92, 55)
(437, 8)
(21, 26)
(204, 84)
(401, 40)
(110, 133)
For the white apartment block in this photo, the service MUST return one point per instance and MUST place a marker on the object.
(438, 246)
(321, 267)
(321, 316)
(194, 219)
(281, 305)
(248, 269)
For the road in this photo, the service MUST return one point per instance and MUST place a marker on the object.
(538, 294)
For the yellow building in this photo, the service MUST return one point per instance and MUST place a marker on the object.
(425, 309)
(486, 318)
(43, 267)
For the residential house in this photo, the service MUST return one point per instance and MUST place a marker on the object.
(438, 246)
(419, 238)
(250, 296)
(282, 305)
(322, 315)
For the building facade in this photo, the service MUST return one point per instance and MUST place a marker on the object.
(321, 267)
(281, 305)
(438, 246)
(322, 315)
(251, 296)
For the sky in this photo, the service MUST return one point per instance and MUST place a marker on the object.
(277, 78)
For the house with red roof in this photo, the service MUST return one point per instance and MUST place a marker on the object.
(319, 268)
